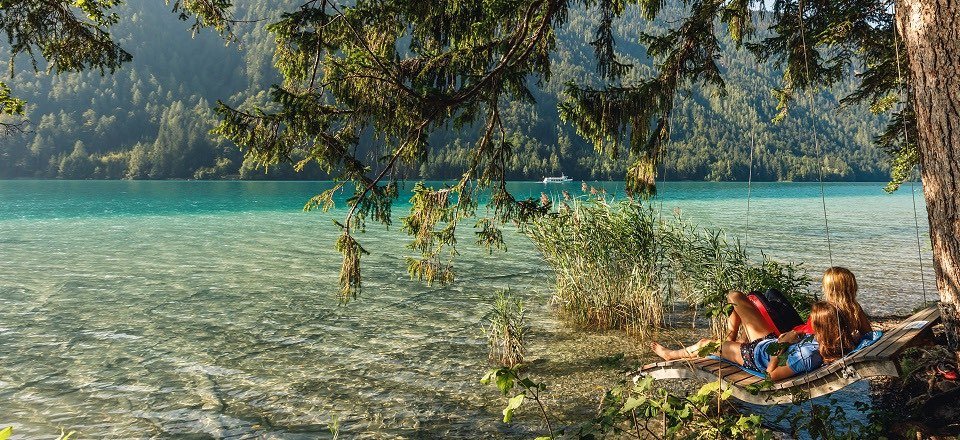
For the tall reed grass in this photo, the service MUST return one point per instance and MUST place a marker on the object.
(602, 257)
(506, 330)
(618, 264)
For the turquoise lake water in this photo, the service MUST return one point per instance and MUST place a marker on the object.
(208, 309)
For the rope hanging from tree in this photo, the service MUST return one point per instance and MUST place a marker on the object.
(746, 232)
(816, 138)
(816, 141)
(913, 191)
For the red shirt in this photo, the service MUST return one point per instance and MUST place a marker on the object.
(805, 328)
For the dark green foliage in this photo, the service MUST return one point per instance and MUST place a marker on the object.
(205, 14)
(831, 422)
(641, 410)
(506, 379)
(900, 143)
(389, 74)
(66, 36)
(150, 119)
(686, 55)
(69, 36)
(818, 45)
(176, 78)
(399, 70)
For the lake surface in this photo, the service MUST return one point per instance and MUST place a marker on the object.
(209, 309)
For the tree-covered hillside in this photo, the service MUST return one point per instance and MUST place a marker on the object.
(150, 120)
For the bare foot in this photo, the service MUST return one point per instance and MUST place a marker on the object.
(662, 351)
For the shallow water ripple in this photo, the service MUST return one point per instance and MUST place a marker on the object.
(190, 309)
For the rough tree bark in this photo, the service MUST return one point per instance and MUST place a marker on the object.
(931, 33)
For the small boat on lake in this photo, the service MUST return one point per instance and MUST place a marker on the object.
(562, 179)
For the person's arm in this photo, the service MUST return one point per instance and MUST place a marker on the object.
(777, 372)
(790, 337)
(774, 370)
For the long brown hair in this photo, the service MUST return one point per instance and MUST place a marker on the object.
(828, 322)
(840, 289)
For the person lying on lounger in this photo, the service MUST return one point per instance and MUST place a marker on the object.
(762, 314)
(804, 354)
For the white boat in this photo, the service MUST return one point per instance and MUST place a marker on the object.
(562, 179)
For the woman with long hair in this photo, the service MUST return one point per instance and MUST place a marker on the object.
(839, 288)
(804, 354)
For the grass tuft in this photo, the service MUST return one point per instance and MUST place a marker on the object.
(506, 330)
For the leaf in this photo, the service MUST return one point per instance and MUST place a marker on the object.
(708, 349)
(512, 405)
(504, 382)
(486, 377)
(5, 433)
(726, 394)
(516, 401)
(632, 403)
(527, 383)
(709, 388)
(644, 383)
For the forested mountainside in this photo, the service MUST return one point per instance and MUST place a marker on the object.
(151, 119)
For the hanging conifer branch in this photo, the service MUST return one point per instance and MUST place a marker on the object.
(640, 112)
(374, 79)
(344, 75)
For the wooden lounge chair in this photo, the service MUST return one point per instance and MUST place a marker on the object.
(878, 359)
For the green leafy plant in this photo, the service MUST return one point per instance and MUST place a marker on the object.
(335, 427)
(506, 330)
(640, 410)
(506, 379)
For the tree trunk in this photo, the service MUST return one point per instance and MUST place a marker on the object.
(931, 33)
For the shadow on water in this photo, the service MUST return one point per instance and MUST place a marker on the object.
(849, 401)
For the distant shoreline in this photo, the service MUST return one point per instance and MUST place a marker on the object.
(574, 182)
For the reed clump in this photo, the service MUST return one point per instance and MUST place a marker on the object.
(602, 256)
(617, 265)
(506, 330)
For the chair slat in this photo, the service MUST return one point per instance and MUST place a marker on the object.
(747, 380)
(902, 337)
(896, 335)
(736, 376)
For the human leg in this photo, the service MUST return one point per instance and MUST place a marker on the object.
(733, 326)
(747, 316)
(681, 353)
(729, 350)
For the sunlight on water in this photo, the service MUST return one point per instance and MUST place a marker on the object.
(138, 309)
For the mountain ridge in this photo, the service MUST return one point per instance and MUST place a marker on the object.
(150, 119)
